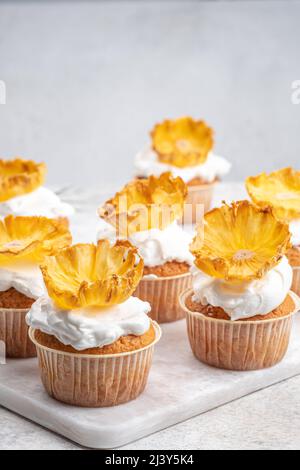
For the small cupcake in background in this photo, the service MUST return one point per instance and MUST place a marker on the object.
(24, 242)
(239, 311)
(281, 190)
(146, 212)
(22, 191)
(94, 340)
(184, 147)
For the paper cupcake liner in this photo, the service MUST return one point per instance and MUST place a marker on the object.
(198, 195)
(296, 281)
(94, 380)
(238, 345)
(163, 295)
(14, 333)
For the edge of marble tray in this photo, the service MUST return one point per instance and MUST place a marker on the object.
(89, 435)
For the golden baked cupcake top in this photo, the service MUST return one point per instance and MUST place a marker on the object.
(87, 275)
(31, 238)
(240, 242)
(279, 189)
(143, 204)
(18, 177)
(182, 142)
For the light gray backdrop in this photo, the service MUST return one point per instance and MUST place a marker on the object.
(86, 81)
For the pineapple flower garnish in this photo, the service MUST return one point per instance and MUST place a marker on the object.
(240, 242)
(182, 142)
(280, 190)
(86, 275)
(143, 204)
(30, 239)
(18, 177)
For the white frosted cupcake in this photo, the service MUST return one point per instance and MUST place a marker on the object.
(184, 147)
(22, 192)
(281, 191)
(89, 330)
(24, 242)
(146, 212)
(239, 311)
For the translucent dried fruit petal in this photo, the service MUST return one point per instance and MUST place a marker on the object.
(31, 238)
(279, 189)
(182, 142)
(19, 177)
(240, 242)
(153, 202)
(87, 275)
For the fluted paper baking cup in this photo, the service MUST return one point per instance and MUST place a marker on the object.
(197, 196)
(14, 333)
(238, 345)
(296, 280)
(163, 295)
(94, 380)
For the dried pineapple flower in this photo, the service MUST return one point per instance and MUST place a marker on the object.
(86, 275)
(240, 242)
(19, 177)
(153, 202)
(182, 142)
(31, 238)
(280, 189)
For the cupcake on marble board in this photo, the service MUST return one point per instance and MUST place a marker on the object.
(22, 192)
(94, 339)
(146, 212)
(281, 190)
(184, 147)
(24, 242)
(239, 311)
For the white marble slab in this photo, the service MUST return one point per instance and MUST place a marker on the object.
(179, 387)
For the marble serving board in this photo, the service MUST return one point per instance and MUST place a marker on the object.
(179, 387)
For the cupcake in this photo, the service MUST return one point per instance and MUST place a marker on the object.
(184, 147)
(240, 308)
(281, 190)
(146, 212)
(22, 192)
(24, 242)
(94, 340)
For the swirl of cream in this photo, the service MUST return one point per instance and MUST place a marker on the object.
(26, 279)
(245, 299)
(90, 327)
(147, 163)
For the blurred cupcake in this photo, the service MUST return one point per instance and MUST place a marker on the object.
(94, 340)
(146, 213)
(184, 147)
(22, 191)
(24, 242)
(239, 311)
(281, 190)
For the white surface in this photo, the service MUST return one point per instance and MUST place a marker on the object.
(86, 81)
(179, 387)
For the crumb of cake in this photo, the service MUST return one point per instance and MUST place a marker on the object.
(197, 181)
(124, 344)
(218, 313)
(11, 298)
(171, 268)
(294, 256)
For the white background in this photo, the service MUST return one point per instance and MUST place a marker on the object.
(86, 81)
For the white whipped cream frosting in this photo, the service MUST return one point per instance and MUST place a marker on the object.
(26, 279)
(147, 163)
(245, 299)
(90, 327)
(40, 202)
(156, 246)
(295, 231)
